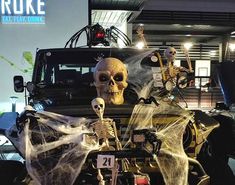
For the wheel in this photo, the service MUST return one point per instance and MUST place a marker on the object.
(215, 152)
(12, 172)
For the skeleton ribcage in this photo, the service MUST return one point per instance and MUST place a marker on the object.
(175, 71)
(104, 129)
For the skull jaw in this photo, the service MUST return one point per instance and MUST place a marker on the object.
(111, 94)
(100, 114)
(113, 98)
(171, 58)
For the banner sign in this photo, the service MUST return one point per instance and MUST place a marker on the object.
(22, 11)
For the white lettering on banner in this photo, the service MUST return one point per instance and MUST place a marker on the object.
(26, 7)
(22, 11)
(23, 19)
(20, 6)
(29, 7)
(40, 5)
(5, 6)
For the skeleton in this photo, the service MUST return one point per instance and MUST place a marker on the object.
(170, 54)
(105, 129)
(110, 80)
(171, 72)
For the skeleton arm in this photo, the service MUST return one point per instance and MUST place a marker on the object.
(118, 143)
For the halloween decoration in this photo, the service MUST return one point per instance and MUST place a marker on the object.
(105, 129)
(171, 70)
(97, 35)
(110, 78)
(65, 146)
(174, 76)
(140, 33)
(188, 60)
(54, 146)
(98, 106)
(171, 159)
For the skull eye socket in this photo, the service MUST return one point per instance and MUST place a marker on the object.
(96, 106)
(103, 77)
(101, 105)
(172, 52)
(118, 77)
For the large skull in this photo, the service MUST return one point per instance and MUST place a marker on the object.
(98, 106)
(170, 54)
(110, 77)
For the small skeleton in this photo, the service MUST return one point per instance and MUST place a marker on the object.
(172, 72)
(98, 106)
(105, 129)
(170, 54)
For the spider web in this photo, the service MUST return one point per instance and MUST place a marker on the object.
(55, 147)
(168, 121)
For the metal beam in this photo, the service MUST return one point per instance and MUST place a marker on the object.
(182, 32)
(135, 5)
(184, 17)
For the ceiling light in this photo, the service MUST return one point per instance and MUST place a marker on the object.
(232, 46)
(188, 45)
(233, 32)
(140, 45)
(177, 25)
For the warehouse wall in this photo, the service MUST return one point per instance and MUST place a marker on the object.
(63, 19)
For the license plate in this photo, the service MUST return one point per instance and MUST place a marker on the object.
(105, 161)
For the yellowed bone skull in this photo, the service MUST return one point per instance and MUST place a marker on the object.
(110, 80)
(98, 106)
(170, 54)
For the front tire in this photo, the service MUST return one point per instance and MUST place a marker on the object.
(215, 152)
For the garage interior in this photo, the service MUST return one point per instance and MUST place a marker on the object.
(210, 29)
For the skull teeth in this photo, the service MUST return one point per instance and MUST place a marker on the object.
(113, 93)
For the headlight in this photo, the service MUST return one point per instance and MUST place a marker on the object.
(138, 138)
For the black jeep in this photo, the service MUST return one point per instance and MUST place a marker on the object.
(160, 140)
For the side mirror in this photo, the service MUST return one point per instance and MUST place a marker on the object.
(18, 83)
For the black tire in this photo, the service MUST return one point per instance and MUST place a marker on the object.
(11, 172)
(215, 152)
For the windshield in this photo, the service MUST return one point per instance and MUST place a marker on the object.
(64, 74)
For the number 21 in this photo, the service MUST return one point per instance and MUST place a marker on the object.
(107, 161)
